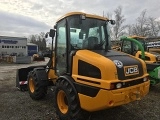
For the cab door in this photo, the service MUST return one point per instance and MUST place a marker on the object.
(61, 47)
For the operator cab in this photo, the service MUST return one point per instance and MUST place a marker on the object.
(131, 47)
(79, 31)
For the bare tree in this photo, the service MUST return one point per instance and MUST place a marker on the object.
(141, 27)
(158, 24)
(32, 38)
(153, 27)
(129, 30)
(110, 30)
(40, 40)
(119, 28)
(144, 26)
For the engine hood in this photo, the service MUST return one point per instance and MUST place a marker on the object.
(127, 66)
(149, 53)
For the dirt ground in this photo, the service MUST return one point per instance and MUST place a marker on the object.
(17, 105)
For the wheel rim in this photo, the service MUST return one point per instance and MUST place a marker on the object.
(31, 85)
(62, 102)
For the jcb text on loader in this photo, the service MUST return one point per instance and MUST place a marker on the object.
(87, 75)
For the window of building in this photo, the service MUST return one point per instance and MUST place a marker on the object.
(2, 46)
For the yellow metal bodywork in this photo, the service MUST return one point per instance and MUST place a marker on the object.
(51, 72)
(81, 13)
(150, 55)
(106, 98)
(147, 54)
(111, 98)
(35, 55)
(31, 85)
(137, 37)
(62, 105)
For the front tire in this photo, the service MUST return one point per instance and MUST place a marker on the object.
(66, 101)
(36, 91)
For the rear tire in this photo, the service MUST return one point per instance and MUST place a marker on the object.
(36, 91)
(66, 101)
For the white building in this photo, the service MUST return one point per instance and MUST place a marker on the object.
(10, 45)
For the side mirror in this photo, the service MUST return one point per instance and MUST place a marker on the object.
(52, 33)
(112, 22)
(46, 35)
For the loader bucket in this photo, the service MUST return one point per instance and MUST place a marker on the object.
(21, 77)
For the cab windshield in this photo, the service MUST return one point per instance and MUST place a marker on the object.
(88, 33)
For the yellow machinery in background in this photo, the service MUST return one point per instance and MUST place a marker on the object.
(38, 57)
(153, 44)
(152, 59)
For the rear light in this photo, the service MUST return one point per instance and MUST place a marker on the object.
(112, 86)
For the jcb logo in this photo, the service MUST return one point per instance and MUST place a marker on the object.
(131, 70)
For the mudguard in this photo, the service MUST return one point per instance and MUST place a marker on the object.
(41, 76)
(21, 77)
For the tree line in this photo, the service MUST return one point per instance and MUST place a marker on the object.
(145, 26)
(38, 39)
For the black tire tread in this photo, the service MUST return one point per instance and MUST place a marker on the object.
(74, 107)
(40, 91)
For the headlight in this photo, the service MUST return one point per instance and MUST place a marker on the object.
(118, 85)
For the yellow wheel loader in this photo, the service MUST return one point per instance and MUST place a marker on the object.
(87, 74)
(152, 59)
(38, 57)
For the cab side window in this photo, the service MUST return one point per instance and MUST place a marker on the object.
(127, 47)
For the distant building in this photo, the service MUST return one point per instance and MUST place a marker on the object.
(32, 49)
(13, 45)
(16, 46)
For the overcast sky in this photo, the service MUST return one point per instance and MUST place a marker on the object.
(25, 17)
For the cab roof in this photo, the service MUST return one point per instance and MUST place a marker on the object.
(82, 13)
(135, 36)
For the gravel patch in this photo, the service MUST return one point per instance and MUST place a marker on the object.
(17, 105)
